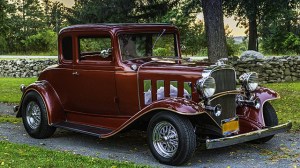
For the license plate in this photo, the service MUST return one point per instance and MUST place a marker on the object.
(230, 126)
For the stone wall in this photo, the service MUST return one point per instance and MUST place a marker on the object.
(270, 69)
(24, 67)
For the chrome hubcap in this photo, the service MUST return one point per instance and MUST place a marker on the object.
(33, 115)
(165, 139)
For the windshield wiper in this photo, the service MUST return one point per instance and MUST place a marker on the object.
(158, 37)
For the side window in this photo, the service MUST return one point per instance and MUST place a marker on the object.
(95, 48)
(67, 48)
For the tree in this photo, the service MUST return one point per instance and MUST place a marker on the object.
(246, 13)
(214, 27)
(278, 30)
(192, 33)
(57, 16)
(116, 11)
(5, 9)
(254, 13)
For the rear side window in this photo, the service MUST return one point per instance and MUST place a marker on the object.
(67, 48)
(95, 48)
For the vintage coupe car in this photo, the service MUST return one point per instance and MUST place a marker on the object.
(114, 77)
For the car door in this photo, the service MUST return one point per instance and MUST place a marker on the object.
(93, 73)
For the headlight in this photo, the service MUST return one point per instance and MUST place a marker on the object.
(206, 86)
(249, 80)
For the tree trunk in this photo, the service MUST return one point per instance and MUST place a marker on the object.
(252, 17)
(252, 45)
(214, 28)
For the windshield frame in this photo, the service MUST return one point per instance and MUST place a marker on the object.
(158, 32)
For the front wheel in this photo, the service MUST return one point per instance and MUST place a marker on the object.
(171, 138)
(34, 115)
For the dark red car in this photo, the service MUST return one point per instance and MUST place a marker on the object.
(112, 77)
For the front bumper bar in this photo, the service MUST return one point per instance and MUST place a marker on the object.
(227, 141)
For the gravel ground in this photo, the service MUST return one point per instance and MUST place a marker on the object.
(6, 109)
(282, 151)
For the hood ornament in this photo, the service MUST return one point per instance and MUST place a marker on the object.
(221, 61)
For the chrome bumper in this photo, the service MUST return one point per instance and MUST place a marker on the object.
(227, 141)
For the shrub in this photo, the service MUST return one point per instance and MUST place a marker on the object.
(162, 52)
(45, 41)
(3, 45)
(292, 42)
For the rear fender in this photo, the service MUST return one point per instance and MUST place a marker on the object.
(252, 119)
(54, 107)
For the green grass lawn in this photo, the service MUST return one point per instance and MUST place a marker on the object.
(10, 88)
(10, 119)
(288, 106)
(16, 155)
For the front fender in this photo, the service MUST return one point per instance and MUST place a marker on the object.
(52, 102)
(177, 105)
(252, 119)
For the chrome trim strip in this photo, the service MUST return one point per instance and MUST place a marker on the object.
(233, 92)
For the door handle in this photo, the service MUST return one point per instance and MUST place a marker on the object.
(75, 73)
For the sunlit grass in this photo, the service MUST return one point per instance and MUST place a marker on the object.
(288, 106)
(16, 155)
(10, 88)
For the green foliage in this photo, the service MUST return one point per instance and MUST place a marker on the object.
(232, 48)
(94, 44)
(292, 42)
(192, 32)
(43, 41)
(20, 19)
(164, 45)
(10, 89)
(274, 19)
(162, 52)
(16, 155)
(3, 45)
(118, 11)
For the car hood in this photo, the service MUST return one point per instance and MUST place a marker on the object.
(174, 67)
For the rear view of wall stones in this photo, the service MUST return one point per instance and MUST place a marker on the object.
(24, 67)
(270, 69)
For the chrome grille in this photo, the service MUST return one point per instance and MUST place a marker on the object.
(225, 80)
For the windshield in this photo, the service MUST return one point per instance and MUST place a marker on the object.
(147, 45)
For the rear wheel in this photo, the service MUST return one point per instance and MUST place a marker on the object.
(171, 138)
(270, 118)
(35, 117)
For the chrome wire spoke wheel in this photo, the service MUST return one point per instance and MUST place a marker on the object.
(165, 139)
(33, 115)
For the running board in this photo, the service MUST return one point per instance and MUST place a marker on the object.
(85, 129)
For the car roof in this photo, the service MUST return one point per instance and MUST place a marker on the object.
(118, 26)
